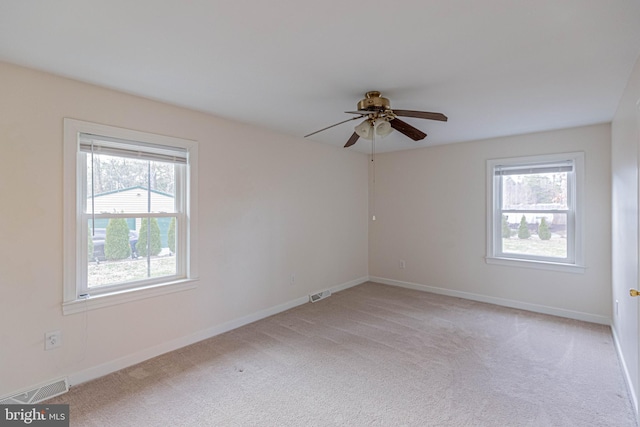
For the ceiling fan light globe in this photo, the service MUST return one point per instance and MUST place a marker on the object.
(364, 130)
(383, 128)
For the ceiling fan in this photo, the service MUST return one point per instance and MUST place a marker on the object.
(381, 119)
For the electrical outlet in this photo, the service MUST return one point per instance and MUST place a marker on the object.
(403, 264)
(292, 280)
(52, 340)
(617, 308)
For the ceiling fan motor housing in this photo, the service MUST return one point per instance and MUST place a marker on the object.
(374, 102)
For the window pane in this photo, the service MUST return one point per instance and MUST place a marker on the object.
(535, 234)
(547, 191)
(162, 180)
(121, 185)
(129, 249)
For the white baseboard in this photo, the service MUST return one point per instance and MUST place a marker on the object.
(536, 308)
(625, 371)
(165, 347)
(349, 284)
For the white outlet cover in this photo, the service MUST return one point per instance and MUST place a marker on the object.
(52, 340)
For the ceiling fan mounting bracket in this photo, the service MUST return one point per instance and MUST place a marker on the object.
(374, 102)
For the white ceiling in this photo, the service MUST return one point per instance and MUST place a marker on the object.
(494, 67)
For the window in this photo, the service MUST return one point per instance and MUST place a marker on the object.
(534, 216)
(129, 215)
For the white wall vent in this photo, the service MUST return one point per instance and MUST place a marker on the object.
(38, 394)
(319, 296)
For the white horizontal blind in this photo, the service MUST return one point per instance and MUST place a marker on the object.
(98, 144)
(531, 169)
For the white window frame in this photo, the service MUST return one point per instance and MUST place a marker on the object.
(575, 224)
(77, 297)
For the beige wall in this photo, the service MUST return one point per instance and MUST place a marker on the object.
(431, 212)
(270, 206)
(625, 139)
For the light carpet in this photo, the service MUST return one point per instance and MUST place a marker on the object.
(374, 355)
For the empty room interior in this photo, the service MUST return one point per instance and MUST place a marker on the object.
(321, 213)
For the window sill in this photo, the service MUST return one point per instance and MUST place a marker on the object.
(539, 265)
(119, 297)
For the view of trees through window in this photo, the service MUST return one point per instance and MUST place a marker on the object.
(113, 173)
(535, 209)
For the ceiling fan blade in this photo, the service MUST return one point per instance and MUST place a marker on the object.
(407, 129)
(362, 112)
(421, 115)
(329, 127)
(351, 140)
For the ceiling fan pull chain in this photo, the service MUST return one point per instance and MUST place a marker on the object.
(373, 167)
